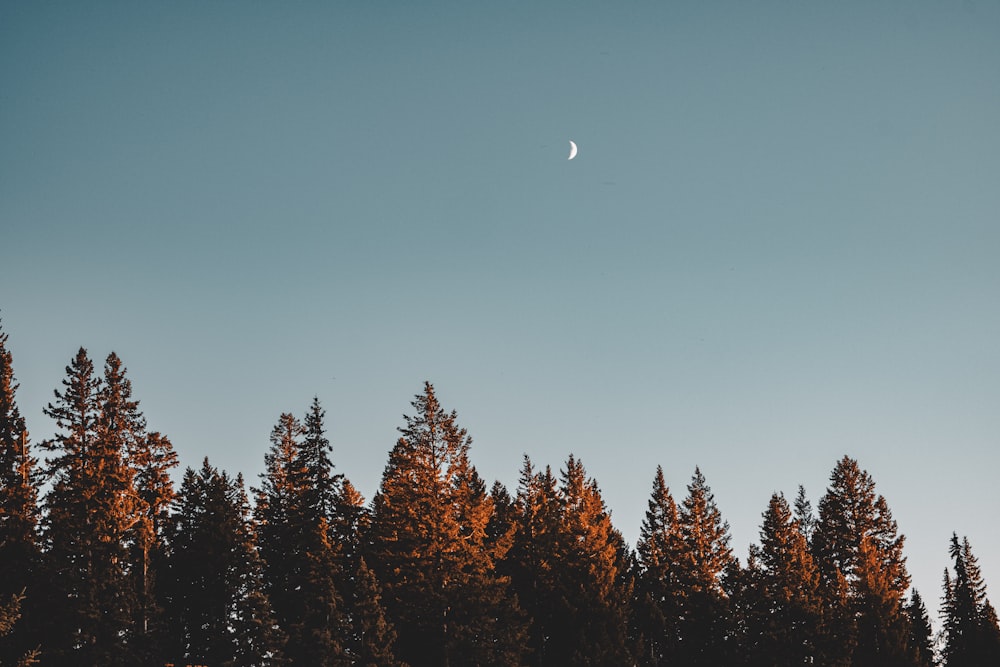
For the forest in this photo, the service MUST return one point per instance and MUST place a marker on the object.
(108, 562)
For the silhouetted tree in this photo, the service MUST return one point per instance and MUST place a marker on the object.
(219, 613)
(89, 508)
(972, 636)
(921, 634)
(660, 551)
(300, 559)
(786, 613)
(804, 514)
(19, 553)
(441, 589)
(374, 638)
(532, 561)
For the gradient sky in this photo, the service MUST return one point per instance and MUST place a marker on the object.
(778, 245)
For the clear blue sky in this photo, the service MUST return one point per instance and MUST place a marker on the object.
(778, 245)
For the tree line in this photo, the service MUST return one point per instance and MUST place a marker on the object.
(106, 564)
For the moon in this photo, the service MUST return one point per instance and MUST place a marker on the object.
(572, 151)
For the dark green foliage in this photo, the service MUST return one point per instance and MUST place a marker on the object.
(972, 636)
(218, 612)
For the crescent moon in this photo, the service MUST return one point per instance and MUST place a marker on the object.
(572, 151)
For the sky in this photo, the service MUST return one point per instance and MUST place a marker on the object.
(777, 246)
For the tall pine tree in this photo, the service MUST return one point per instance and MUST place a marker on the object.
(921, 634)
(857, 546)
(301, 562)
(19, 553)
(90, 506)
(708, 559)
(660, 551)
(218, 612)
(786, 613)
(532, 562)
(972, 636)
(429, 546)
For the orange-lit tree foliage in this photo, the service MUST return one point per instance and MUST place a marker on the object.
(862, 568)
(430, 549)
(19, 552)
(785, 614)
(658, 592)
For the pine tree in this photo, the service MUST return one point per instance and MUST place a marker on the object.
(219, 614)
(705, 611)
(374, 638)
(10, 614)
(441, 588)
(856, 545)
(569, 567)
(786, 613)
(19, 554)
(300, 560)
(660, 551)
(804, 514)
(152, 460)
(323, 487)
(532, 562)
(90, 506)
(593, 554)
(972, 636)
(921, 635)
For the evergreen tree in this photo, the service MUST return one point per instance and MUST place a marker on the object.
(90, 506)
(972, 636)
(569, 565)
(501, 526)
(10, 614)
(123, 452)
(322, 487)
(532, 561)
(219, 613)
(659, 592)
(857, 547)
(786, 612)
(374, 638)
(152, 460)
(300, 559)
(19, 554)
(442, 590)
(705, 612)
(921, 635)
(804, 514)
(882, 624)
